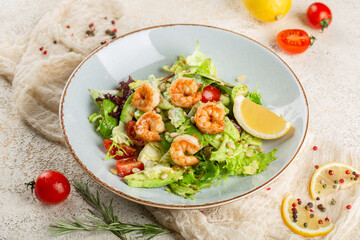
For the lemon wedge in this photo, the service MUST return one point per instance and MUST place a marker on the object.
(259, 121)
(331, 177)
(306, 223)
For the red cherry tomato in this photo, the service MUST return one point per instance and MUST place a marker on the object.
(51, 187)
(125, 168)
(294, 41)
(210, 93)
(130, 130)
(126, 150)
(319, 15)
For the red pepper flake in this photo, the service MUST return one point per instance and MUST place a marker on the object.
(114, 30)
(294, 205)
(67, 26)
(268, 189)
(294, 209)
(347, 172)
(113, 22)
(202, 212)
(91, 24)
(341, 180)
(357, 175)
(348, 206)
(316, 166)
(45, 52)
(327, 219)
(311, 210)
(320, 221)
(299, 200)
(331, 172)
(42, 48)
(315, 148)
(72, 34)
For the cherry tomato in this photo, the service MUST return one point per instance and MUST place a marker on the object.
(51, 187)
(126, 150)
(210, 93)
(294, 41)
(319, 15)
(130, 130)
(125, 168)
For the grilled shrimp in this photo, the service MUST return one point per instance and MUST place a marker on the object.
(148, 127)
(146, 97)
(182, 144)
(210, 118)
(184, 92)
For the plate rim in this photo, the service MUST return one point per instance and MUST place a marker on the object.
(162, 205)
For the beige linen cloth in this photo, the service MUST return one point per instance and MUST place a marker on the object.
(38, 80)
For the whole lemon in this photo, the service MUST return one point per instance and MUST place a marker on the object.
(268, 10)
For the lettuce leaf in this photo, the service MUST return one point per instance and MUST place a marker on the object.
(152, 80)
(104, 123)
(196, 58)
(255, 97)
(120, 136)
(176, 116)
(178, 67)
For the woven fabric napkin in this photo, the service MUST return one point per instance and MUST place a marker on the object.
(39, 64)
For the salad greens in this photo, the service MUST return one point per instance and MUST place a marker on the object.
(232, 152)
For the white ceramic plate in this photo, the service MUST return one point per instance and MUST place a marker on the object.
(144, 52)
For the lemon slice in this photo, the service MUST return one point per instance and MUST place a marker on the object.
(259, 121)
(331, 177)
(306, 223)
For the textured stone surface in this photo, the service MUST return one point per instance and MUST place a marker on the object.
(328, 72)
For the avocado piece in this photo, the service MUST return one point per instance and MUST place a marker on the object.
(180, 190)
(141, 179)
(164, 104)
(225, 100)
(127, 110)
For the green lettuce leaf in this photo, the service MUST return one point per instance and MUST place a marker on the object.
(255, 97)
(176, 116)
(178, 67)
(120, 136)
(152, 80)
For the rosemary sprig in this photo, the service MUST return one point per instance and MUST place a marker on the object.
(104, 219)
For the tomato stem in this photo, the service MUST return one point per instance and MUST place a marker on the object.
(31, 185)
(324, 23)
(312, 41)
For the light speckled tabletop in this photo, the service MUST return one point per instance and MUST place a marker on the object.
(328, 72)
